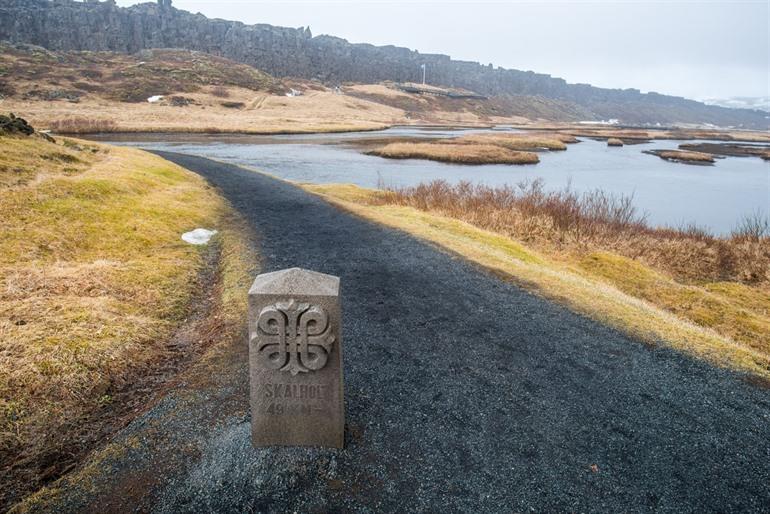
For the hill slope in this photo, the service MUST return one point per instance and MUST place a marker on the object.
(282, 52)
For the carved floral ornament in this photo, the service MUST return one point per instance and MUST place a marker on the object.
(294, 337)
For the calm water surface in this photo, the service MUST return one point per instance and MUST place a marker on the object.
(715, 197)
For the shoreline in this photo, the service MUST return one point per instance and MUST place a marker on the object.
(598, 134)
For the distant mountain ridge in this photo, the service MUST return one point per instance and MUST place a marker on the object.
(761, 103)
(289, 52)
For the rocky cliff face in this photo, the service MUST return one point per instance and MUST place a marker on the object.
(94, 25)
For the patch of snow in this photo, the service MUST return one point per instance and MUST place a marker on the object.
(611, 121)
(199, 236)
(761, 103)
(294, 92)
(154, 99)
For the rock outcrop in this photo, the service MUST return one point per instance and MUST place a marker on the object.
(289, 52)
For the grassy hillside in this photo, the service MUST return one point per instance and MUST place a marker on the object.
(705, 296)
(94, 283)
(88, 92)
(440, 109)
(36, 73)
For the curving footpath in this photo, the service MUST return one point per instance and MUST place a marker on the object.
(463, 394)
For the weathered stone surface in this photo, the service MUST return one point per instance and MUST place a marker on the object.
(12, 125)
(288, 52)
(295, 360)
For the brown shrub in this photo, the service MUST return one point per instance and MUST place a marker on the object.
(180, 101)
(220, 92)
(6, 89)
(83, 125)
(87, 86)
(92, 74)
(456, 153)
(752, 227)
(567, 221)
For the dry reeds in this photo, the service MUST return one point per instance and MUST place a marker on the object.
(567, 221)
(220, 92)
(683, 156)
(519, 142)
(78, 125)
(456, 153)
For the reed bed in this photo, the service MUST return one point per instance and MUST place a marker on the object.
(567, 221)
(519, 142)
(456, 153)
(83, 125)
(683, 156)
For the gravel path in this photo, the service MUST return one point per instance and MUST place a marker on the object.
(463, 394)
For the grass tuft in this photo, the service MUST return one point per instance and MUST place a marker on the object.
(82, 125)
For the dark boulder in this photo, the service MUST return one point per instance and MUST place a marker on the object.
(12, 125)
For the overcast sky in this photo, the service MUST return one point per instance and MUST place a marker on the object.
(697, 49)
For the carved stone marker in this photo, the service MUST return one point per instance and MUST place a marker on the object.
(295, 360)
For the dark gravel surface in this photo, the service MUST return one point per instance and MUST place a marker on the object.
(463, 394)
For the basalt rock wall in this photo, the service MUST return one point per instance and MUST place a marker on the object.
(280, 51)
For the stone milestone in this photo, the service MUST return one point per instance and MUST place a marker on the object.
(295, 360)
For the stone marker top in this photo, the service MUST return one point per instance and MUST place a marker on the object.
(296, 281)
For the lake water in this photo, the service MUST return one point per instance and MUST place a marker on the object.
(714, 197)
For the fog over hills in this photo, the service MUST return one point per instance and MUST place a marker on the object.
(290, 52)
(761, 103)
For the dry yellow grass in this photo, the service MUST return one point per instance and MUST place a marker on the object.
(456, 153)
(19, 166)
(262, 114)
(202, 93)
(613, 141)
(683, 156)
(559, 221)
(94, 280)
(642, 134)
(737, 311)
(517, 141)
(724, 323)
(435, 110)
